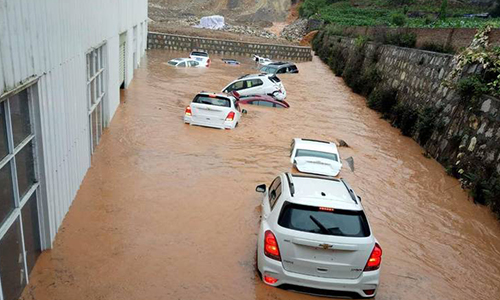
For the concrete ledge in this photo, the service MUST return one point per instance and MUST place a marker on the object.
(227, 47)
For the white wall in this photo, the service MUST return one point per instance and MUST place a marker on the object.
(49, 39)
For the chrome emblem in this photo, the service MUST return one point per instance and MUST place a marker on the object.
(326, 246)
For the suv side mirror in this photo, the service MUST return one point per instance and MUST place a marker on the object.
(261, 188)
(244, 111)
(359, 198)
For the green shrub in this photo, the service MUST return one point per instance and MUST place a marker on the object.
(443, 10)
(471, 88)
(438, 48)
(337, 60)
(383, 100)
(353, 69)
(333, 29)
(369, 80)
(405, 118)
(426, 124)
(402, 39)
(398, 19)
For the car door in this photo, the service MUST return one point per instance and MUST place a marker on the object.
(236, 86)
(252, 87)
(182, 64)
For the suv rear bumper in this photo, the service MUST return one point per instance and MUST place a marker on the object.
(273, 268)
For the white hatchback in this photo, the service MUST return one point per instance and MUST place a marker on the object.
(213, 110)
(201, 57)
(257, 84)
(314, 237)
(315, 157)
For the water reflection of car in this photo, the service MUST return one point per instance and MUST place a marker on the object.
(257, 84)
(315, 157)
(184, 63)
(213, 110)
(263, 100)
(314, 237)
(201, 57)
(279, 68)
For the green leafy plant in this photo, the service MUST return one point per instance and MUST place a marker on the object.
(398, 19)
(495, 12)
(481, 53)
(405, 118)
(426, 124)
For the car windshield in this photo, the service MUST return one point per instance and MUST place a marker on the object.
(325, 221)
(217, 101)
(204, 54)
(312, 153)
(173, 62)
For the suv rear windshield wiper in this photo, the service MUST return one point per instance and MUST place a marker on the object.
(323, 227)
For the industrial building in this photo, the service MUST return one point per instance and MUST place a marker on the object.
(62, 64)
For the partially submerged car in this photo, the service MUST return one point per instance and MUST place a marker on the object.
(213, 110)
(263, 100)
(315, 157)
(230, 61)
(201, 57)
(257, 84)
(184, 63)
(279, 68)
(262, 60)
(315, 237)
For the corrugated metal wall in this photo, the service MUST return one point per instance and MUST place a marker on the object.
(49, 39)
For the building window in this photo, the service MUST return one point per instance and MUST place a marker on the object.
(96, 91)
(19, 223)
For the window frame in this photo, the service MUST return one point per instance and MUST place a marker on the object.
(272, 188)
(9, 161)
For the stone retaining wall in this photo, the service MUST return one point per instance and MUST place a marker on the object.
(227, 47)
(468, 136)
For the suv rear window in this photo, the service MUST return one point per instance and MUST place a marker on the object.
(199, 54)
(323, 221)
(217, 101)
(274, 79)
(319, 154)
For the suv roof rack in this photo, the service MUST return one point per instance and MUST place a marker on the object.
(351, 192)
(316, 177)
(290, 184)
(319, 141)
(244, 76)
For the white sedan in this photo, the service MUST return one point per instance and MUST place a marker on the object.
(316, 157)
(213, 110)
(185, 63)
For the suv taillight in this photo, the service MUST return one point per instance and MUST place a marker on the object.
(188, 111)
(375, 259)
(271, 248)
(230, 116)
(208, 62)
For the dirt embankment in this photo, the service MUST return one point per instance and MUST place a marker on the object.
(259, 21)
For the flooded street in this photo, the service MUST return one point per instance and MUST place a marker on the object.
(169, 211)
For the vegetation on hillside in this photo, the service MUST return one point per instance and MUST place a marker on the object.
(397, 13)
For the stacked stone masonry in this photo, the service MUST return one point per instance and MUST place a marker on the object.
(468, 136)
(226, 47)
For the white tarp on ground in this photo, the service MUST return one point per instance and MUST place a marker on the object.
(212, 22)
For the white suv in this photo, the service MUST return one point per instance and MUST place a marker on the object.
(257, 84)
(314, 237)
(200, 56)
(316, 157)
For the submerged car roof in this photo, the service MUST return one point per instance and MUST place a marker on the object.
(316, 145)
(250, 76)
(322, 191)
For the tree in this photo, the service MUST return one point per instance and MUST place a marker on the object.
(496, 10)
(443, 9)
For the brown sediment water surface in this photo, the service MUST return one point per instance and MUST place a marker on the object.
(169, 211)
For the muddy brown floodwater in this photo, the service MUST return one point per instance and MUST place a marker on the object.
(169, 211)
